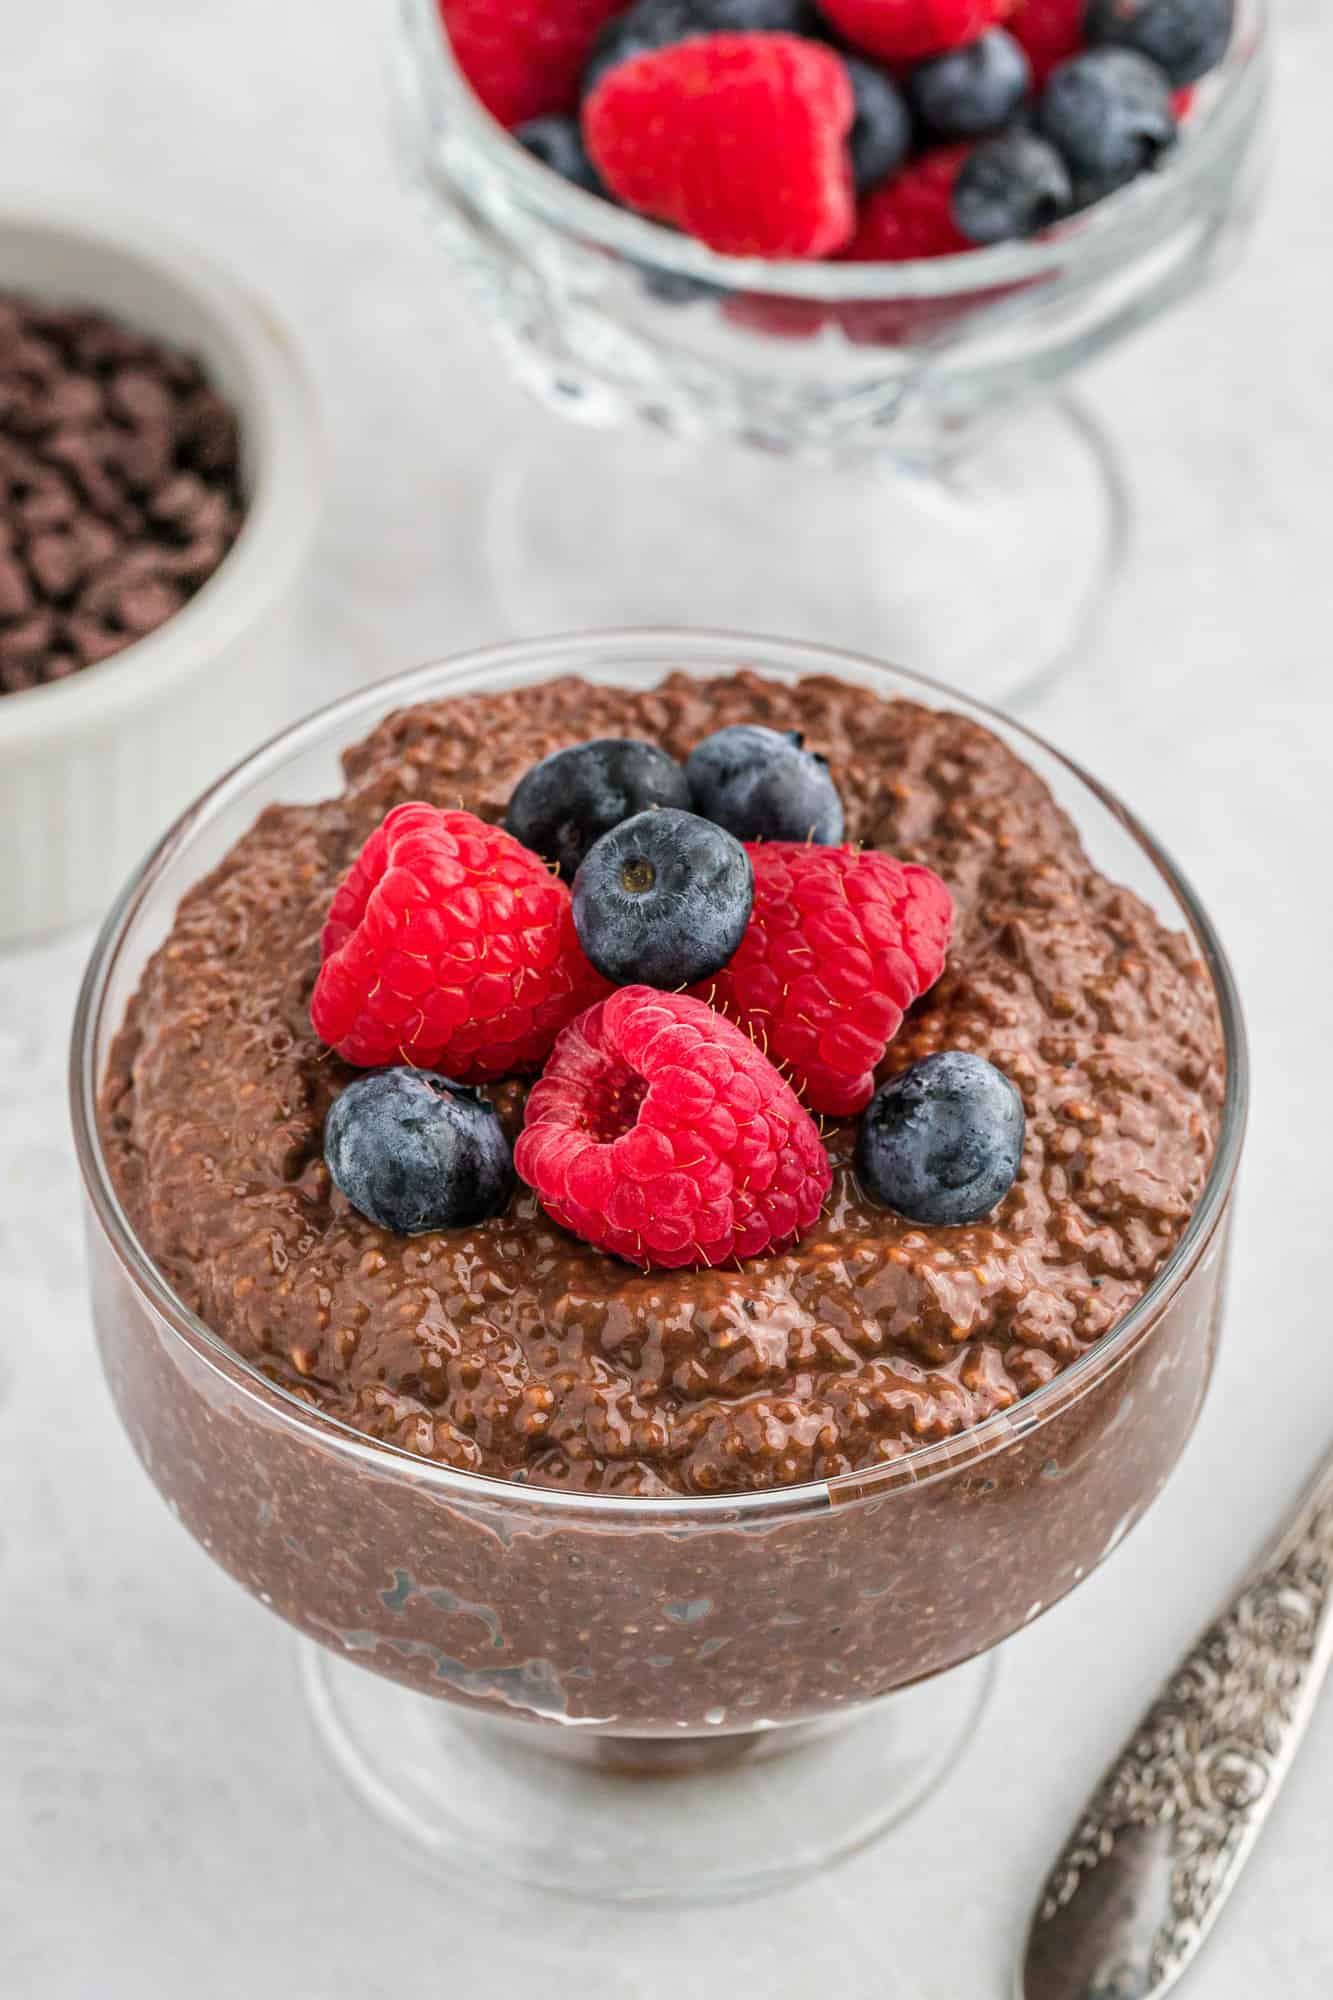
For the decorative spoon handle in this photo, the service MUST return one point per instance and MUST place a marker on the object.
(1146, 1872)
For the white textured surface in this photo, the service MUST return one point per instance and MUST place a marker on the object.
(165, 1825)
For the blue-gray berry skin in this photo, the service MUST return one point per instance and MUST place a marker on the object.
(970, 92)
(942, 1142)
(752, 17)
(574, 796)
(761, 784)
(641, 30)
(650, 25)
(558, 144)
(413, 1151)
(881, 134)
(1011, 186)
(1186, 38)
(663, 900)
(1108, 114)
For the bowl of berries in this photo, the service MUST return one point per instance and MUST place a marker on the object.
(818, 250)
(656, 1196)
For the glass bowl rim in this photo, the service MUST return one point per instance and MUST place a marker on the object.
(560, 653)
(1120, 222)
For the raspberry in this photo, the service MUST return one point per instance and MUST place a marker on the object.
(840, 944)
(524, 58)
(912, 215)
(902, 31)
(741, 140)
(1050, 30)
(450, 947)
(659, 1132)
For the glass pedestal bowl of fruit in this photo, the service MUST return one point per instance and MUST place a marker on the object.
(656, 1197)
(792, 267)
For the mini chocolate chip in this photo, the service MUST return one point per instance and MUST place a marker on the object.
(49, 505)
(55, 562)
(177, 503)
(94, 641)
(141, 607)
(208, 432)
(30, 637)
(75, 399)
(142, 398)
(15, 589)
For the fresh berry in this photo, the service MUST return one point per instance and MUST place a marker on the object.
(650, 25)
(881, 134)
(971, 92)
(412, 1151)
(641, 30)
(1186, 38)
(942, 1142)
(574, 796)
(663, 900)
(1050, 31)
(659, 1132)
(839, 946)
(763, 785)
(740, 140)
(558, 143)
(750, 17)
(912, 215)
(451, 947)
(903, 31)
(1009, 186)
(524, 58)
(1109, 114)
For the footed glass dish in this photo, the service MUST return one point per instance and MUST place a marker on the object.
(822, 440)
(640, 1699)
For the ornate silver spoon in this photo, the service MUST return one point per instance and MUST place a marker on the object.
(1146, 1871)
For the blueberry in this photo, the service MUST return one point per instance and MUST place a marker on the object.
(762, 785)
(558, 144)
(881, 135)
(412, 1151)
(943, 1141)
(1186, 38)
(569, 800)
(650, 25)
(663, 900)
(750, 17)
(969, 92)
(1009, 186)
(1108, 112)
(643, 29)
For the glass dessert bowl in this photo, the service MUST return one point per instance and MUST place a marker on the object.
(652, 1695)
(826, 438)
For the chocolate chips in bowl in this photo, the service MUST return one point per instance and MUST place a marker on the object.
(120, 487)
(159, 482)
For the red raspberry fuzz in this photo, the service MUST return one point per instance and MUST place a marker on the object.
(740, 140)
(840, 944)
(524, 58)
(1050, 30)
(659, 1132)
(450, 946)
(911, 215)
(900, 31)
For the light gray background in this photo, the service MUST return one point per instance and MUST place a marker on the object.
(166, 1825)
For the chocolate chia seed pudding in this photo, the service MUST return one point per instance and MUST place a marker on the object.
(514, 1351)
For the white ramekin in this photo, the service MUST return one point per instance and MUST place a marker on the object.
(93, 768)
